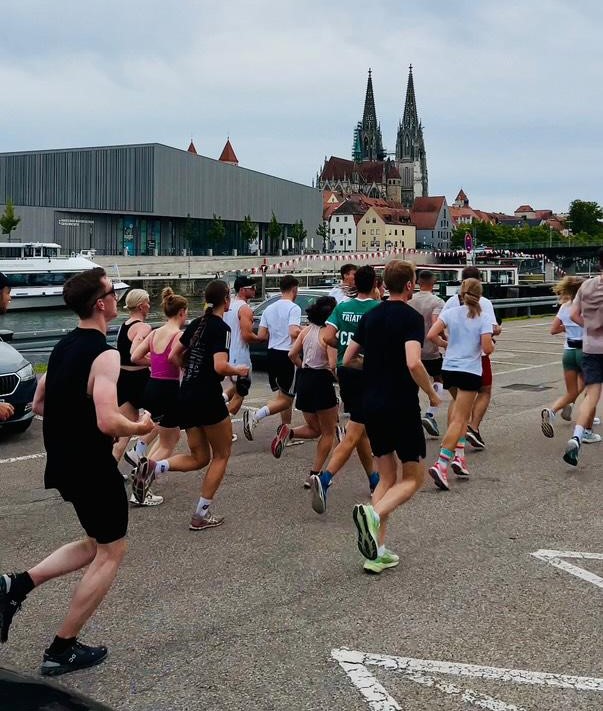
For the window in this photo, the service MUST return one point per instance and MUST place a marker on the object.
(395, 232)
(349, 230)
(403, 236)
(341, 230)
(374, 219)
(377, 231)
(363, 232)
(336, 218)
(364, 243)
(367, 219)
(333, 231)
(372, 232)
(349, 243)
(341, 243)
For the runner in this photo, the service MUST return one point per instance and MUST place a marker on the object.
(429, 306)
(314, 387)
(280, 325)
(587, 311)
(78, 399)
(203, 352)
(391, 336)
(469, 336)
(6, 409)
(340, 328)
(346, 288)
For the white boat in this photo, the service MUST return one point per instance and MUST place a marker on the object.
(37, 272)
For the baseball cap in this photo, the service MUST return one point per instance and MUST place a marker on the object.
(4, 281)
(242, 281)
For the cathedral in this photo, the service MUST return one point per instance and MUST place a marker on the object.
(401, 176)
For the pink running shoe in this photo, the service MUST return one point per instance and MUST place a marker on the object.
(459, 466)
(440, 476)
(278, 443)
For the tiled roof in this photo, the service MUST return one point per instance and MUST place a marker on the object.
(393, 216)
(228, 154)
(461, 197)
(367, 171)
(425, 212)
(524, 208)
(191, 148)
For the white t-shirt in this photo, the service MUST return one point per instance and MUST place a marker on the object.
(464, 351)
(239, 349)
(277, 318)
(340, 294)
(485, 304)
(573, 330)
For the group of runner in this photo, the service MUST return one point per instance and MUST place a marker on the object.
(381, 352)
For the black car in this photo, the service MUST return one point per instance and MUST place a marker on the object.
(17, 386)
(305, 298)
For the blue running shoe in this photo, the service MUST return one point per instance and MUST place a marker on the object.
(319, 484)
(373, 480)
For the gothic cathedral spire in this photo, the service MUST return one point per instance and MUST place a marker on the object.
(368, 144)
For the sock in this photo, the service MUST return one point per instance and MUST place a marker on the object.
(140, 448)
(445, 457)
(460, 448)
(19, 585)
(588, 431)
(61, 644)
(226, 398)
(552, 414)
(261, 413)
(432, 411)
(162, 466)
(326, 477)
(578, 432)
(380, 551)
(203, 506)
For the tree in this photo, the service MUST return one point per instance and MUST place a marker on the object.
(298, 233)
(584, 216)
(217, 231)
(249, 230)
(322, 231)
(8, 221)
(274, 230)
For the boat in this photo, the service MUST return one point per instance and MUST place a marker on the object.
(37, 272)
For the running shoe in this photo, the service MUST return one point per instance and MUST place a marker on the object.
(430, 425)
(475, 439)
(373, 480)
(546, 419)
(142, 478)
(249, 424)
(566, 413)
(308, 481)
(572, 450)
(132, 457)
(278, 443)
(77, 656)
(440, 476)
(9, 606)
(459, 466)
(340, 432)
(200, 523)
(596, 421)
(367, 525)
(150, 499)
(387, 560)
(590, 437)
(319, 493)
(235, 437)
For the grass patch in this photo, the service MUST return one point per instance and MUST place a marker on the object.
(40, 368)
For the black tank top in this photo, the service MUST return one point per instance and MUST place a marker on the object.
(72, 439)
(124, 344)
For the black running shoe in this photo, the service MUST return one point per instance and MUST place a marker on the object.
(77, 656)
(475, 439)
(9, 606)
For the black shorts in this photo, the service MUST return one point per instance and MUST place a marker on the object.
(462, 381)
(592, 368)
(199, 409)
(161, 399)
(100, 501)
(351, 386)
(400, 432)
(281, 372)
(315, 390)
(433, 367)
(131, 385)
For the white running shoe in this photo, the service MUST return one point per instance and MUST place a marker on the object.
(249, 424)
(546, 420)
(597, 421)
(131, 456)
(590, 437)
(566, 413)
(150, 500)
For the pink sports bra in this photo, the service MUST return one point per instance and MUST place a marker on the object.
(161, 368)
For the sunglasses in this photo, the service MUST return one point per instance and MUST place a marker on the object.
(111, 292)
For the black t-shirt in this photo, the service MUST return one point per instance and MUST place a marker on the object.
(203, 338)
(383, 333)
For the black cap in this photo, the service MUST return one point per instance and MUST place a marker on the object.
(243, 281)
(4, 281)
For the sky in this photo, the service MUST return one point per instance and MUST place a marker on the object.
(509, 94)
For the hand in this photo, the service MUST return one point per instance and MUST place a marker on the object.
(145, 423)
(497, 330)
(6, 411)
(434, 399)
(242, 370)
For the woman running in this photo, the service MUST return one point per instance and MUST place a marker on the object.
(202, 351)
(314, 386)
(469, 334)
(160, 397)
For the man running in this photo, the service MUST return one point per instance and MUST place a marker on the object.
(78, 399)
(345, 289)
(341, 327)
(588, 312)
(429, 306)
(280, 325)
(6, 409)
(391, 336)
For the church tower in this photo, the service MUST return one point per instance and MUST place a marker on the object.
(410, 149)
(368, 144)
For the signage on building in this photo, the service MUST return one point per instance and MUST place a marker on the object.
(74, 222)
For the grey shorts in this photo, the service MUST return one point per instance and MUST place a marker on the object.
(592, 368)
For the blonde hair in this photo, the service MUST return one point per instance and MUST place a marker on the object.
(567, 288)
(136, 297)
(172, 303)
(471, 292)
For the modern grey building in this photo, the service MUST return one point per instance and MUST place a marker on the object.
(148, 199)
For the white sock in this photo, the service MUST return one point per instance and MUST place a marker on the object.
(140, 448)
(552, 414)
(261, 413)
(433, 411)
(578, 432)
(226, 398)
(380, 551)
(203, 506)
(162, 466)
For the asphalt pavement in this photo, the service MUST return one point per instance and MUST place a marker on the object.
(272, 610)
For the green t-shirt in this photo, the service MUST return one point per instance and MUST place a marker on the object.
(345, 318)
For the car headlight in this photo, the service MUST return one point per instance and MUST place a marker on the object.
(26, 372)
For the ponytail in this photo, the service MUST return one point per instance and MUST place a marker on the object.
(471, 292)
(172, 303)
(217, 292)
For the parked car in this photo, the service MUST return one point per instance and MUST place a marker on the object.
(305, 297)
(17, 386)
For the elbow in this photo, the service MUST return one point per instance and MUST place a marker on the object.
(106, 425)
(488, 348)
(414, 366)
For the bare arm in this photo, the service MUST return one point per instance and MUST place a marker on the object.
(576, 315)
(296, 349)
(138, 333)
(487, 343)
(435, 334)
(223, 367)
(330, 335)
(352, 357)
(294, 332)
(557, 326)
(246, 324)
(139, 354)
(263, 333)
(38, 401)
(412, 350)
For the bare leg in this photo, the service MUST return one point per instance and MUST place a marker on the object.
(199, 452)
(167, 443)
(66, 559)
(573, 386)
(219, 437)
(311, 430)
(460, 417)
(588, 406)
(413, 476)
(365, 453)
(480, 406)
(354, 436)
(388, 469)
(327, 421)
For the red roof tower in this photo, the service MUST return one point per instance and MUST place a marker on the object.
(228, 155)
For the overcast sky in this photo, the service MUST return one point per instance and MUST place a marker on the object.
(509, 93)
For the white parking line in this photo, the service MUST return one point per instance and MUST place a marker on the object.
(25, 457)
(529, 367)
(555, 558)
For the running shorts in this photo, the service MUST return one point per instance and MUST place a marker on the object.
(161, 399)
(351, 386)
(462, 381)
(281, 372)
(486, 372)
(433, 367)
(572, 359)
(131, 385)
(199, 409)
(592, 368)
(315, 390)
(399, 431)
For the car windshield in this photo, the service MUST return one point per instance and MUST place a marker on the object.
(303, 300)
